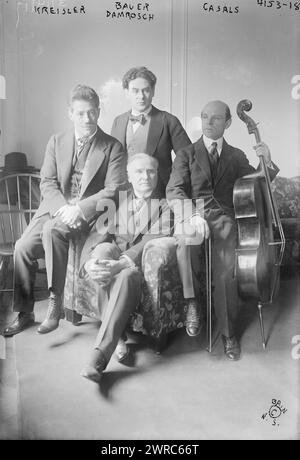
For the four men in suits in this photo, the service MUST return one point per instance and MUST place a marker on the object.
(84, 167)
(147, 129)
(112, 256)
(208, 170)
(81, 167)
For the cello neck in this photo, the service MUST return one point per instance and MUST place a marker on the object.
(245, 106)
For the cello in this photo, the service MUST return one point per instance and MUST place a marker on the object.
(258, 255)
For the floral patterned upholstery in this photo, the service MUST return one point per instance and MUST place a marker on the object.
(80, 295)
(162, 307)
(287, 196)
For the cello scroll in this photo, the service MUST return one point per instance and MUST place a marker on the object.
(245, 106)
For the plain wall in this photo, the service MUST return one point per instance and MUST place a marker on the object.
(197, 56)
(251, 55)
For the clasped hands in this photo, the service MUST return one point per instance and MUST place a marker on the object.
(71, 215)
(103, 270)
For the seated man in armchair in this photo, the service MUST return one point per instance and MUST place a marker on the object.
(112, 256)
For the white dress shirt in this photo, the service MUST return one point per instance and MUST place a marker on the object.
(208, 143)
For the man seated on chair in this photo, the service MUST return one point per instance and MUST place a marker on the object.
(112, 257)
(81, 167)
(147, 129)
(208, 170)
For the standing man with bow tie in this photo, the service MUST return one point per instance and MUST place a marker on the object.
(81, 167)
(208, 170)
(147, 129)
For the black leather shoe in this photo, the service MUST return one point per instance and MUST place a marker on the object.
(21, 322)
(231, 348)
(193, 325)
(95, 367)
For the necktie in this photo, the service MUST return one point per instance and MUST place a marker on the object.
(138, 119)
(134, 213)
(81, 143)
(138, 204)
(214, 159)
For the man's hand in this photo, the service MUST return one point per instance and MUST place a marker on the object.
(200, 225)
(70, 215)
(262, 150)
(99, 271)
(103, 271)
(192, 232)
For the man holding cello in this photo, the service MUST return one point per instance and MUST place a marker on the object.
(208, 170)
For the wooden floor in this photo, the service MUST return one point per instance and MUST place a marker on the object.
(185, 393)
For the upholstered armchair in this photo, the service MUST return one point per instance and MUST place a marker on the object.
(162, 307)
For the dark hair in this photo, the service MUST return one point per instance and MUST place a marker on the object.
(139, 72)
(84, 92)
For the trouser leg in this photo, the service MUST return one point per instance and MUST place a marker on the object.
(183, 252)
(224, 283)
(225, 289)
(188, 261)
(225, 292)
(124, 295)
(56, 237)
(28, 249)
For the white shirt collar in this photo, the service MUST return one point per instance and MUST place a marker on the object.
(88, 138)
(136, 114)
(208, 142)
(140, 197)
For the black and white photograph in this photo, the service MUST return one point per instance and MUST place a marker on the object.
(149, 222)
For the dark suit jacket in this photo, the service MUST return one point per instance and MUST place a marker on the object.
(157, 221)
(105, 172)
(191, 176)
(165, 134)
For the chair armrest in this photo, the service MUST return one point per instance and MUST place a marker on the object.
(158, 252)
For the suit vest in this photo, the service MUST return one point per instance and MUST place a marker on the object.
(136, 142)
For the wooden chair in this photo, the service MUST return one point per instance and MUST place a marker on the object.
(19, 200)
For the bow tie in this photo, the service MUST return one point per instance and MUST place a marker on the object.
(138, 119)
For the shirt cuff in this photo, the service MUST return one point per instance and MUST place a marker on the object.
(129, 261)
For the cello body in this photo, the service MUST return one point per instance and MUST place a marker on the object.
(255, 254)
(257, 257)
